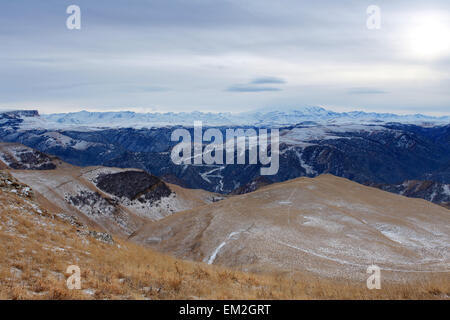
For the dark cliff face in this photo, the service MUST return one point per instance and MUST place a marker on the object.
(36, 161)
(22, 113)
(133, 185)
(429, 190)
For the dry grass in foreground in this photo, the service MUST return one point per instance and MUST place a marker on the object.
(36, 249)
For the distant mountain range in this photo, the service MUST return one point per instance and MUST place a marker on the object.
(380, 150)
(277, 118)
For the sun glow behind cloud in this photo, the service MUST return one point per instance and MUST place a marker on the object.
(429, 36)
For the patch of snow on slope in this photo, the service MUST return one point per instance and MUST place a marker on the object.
(309, 169)
(390, 232)
(209, 174)
(409, 237)
(305, 136)
(216, 251)
(446, 189)
(60, 140)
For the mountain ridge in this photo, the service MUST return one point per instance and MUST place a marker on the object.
(278, 117)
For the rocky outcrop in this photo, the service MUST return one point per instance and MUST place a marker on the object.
(10, 184)
(253, 185)
(23, 158)
(92, 203)
(99, 236)
(82, 230)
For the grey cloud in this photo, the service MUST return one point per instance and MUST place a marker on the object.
(154, 89)
(246, 88)
(268, 80)
(256, 85)
(131, 53)
(366, 91)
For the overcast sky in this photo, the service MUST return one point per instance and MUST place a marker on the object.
(225, 55)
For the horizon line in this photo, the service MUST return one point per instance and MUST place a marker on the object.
(262, 110)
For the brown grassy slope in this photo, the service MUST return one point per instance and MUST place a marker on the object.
(327, 225)
(36, 248)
